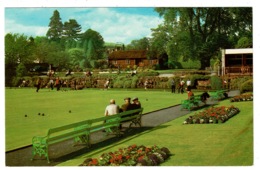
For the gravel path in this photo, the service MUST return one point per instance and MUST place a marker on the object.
(65, 150)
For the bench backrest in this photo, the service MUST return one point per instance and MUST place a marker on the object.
(67, 131)
(196, 97)
(113, 120)
(130, 114)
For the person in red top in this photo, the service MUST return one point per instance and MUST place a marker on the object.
(57, 83)
(190, 94)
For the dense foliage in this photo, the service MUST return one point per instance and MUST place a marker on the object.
(199, 33)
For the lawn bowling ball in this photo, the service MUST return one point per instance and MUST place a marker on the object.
(25, 115)
(43, 114)
(69, 111)
(39, 113)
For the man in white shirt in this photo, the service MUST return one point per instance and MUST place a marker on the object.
(188, 85)
(112, 108)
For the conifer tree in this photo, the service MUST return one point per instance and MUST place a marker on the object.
(56, 27)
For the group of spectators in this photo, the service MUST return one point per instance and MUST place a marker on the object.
(57, 82)
(113, 108)
(181, 86)
(204, 96)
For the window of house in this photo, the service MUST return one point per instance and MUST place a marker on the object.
(114, 61)
(127, 61)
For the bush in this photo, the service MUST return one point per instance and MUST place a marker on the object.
(194, 77)
(216, 83)
(21, 70)
(134, 82)
(236, 83)
(127, 84)
(247, 86)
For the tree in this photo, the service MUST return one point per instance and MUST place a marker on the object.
(76, 56)
(72, 29)
(42, 49)
(141, 44)
(18, 48)
(21, 70)
(55, 31)
(201, 32)
(244, 42)
(93, 45)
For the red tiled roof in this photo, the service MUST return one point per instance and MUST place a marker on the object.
(131, 54)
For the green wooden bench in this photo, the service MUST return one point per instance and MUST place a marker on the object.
(81, 131)
(218, 95)
(189, 104)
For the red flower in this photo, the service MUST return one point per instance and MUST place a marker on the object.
(140, 158)
(147, 150)
(139, 151)
(112, 160)
(119, 157)
(94, 161)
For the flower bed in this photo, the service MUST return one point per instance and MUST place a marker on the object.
(131, 156)
(242, 97)
(213, 115)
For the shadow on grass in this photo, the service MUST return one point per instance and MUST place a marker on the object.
(110, 142)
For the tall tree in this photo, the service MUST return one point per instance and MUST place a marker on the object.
(56, 27)
(18, 48)
(200, 32)
(71, 29)
(76, 57)
(93, 45)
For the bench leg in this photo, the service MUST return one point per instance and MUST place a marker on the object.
(40, 150)
(136, 121)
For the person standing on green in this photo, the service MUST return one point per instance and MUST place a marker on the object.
(38, 84)
(173, 85)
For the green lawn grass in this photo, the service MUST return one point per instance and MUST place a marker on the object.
(225, 144)
(228, 144)
(83, 104)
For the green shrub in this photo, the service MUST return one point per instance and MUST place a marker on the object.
(127, 84)
(189, 64)
(21, 70)
(216, 83)
(134, 82)
(236, 83)
(16, 81)
(247, 86)
(194, 77)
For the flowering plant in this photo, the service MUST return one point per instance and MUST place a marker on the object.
(242, 97)
(133, 155)
(212, 115)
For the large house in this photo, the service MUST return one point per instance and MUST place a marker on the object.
(237, 61)
(131, 58)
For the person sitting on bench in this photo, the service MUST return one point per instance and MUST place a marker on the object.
(204, 97)
(112, 108)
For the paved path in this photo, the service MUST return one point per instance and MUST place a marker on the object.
(65, 151)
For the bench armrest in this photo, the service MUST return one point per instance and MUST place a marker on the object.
(39, 140)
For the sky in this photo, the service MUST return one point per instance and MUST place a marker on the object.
(114, 24)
